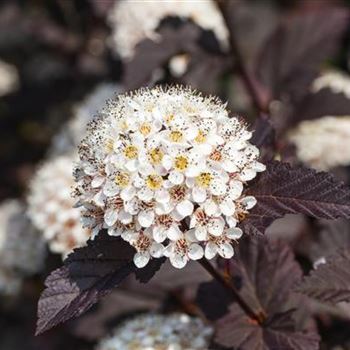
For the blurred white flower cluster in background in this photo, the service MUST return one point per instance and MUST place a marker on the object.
(22, 250)
(166, 169)
(9, 80)
(159, 332)
(51, 206)
(324, 143)
(134, 21)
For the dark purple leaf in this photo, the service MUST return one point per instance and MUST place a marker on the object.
(320, 104)
(292, 56)
(150, 55)
(331, 237)
(264, 138)
(265, 274)
(283, 189)
(88, 274)
(330, 282)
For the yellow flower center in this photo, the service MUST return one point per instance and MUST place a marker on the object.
(122, 179)
(145, 129)
(200, 138)
(156, 155)
(181, 163)
(176, 136)
(154, 182)
(123, 125)
(130, 152)
(169, 118)
(204, 179)
(109, 145)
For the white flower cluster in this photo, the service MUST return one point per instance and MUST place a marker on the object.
(134, 21)
(9, 80)
(160, 332)
(165, 169)
(336, 81)
(51, 206)
(22, 250)
(73, 132)
(323, 143)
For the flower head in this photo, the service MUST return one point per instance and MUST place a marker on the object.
(159, 332)
(173, 172)
(22, 250)
(336, 81)
(51, 206)
(149, 14)
(323, 143)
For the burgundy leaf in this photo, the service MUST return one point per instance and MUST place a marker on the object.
(330, 282)
(88, 274)
(265, 274)
(283, 189)
(331, 237)
(150, 54)
(324, 102)
(264, 138)
(292, 56)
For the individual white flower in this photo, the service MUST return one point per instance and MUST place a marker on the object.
(222, 244)
(170, 164)
(323, 143)
(74, 130)
(145, 247)
(159, 332)
(182, 248)
(22, 249)
(9, 80)
(336, 81)
(149, 14)
(51, 206)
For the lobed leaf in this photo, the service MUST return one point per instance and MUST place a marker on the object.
(283, 189)
(292, 55)
(330, 282)
(265, 274)
(88, 274)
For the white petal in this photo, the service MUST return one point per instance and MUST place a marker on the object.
(234, 233)
(159, 234)
(125, 217)
(128, 193)
(131, 165)
(185, 208)
(146, 218)
(174, 233)
(141, 259)
(179, 261)
(201, 233)
(211, 208)
(110, 189)
(99, 199)
(167, 162)
(156, 250)
(226, 250)
(211, 250)
(145, 194)
(110, 217)
(176, 178)
(218, 187)
(162, 196)
(229, 166)
(199, 195)
(195, 252)
(216, 226)
(247, 174)
(249, 202)
(231, 221)
(227, 207)
(235, 189)
(97, 181)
